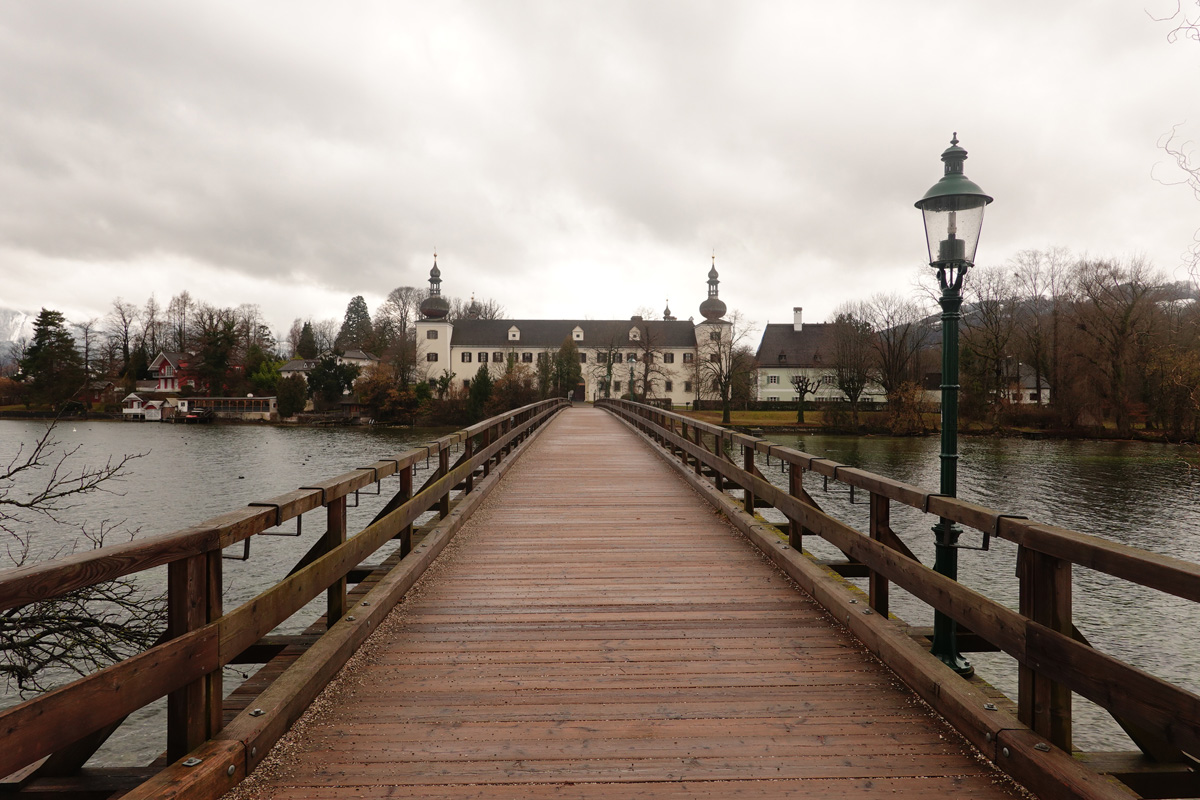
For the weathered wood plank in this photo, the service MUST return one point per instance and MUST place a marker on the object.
(601, 629)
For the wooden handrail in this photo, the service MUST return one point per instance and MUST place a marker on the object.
(1041, 640)
(1166, 574)
(204, 638)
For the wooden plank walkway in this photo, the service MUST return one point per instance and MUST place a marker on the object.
(598, 631)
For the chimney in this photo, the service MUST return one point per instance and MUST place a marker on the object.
(797, 323)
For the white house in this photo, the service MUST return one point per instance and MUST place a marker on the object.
(801, 349)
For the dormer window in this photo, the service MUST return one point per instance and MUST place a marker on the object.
(577, 334)
(635, 335)
(514, 334)
(782, 357)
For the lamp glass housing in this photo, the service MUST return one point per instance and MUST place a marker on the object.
(952, 225)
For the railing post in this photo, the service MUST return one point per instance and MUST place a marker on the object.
(1043, 704)
(795, 487)
(748, 466)
(216, 607)
(444, 470)
(718, 451)
(880, 522)
(700, 444)
(187, 610)
(468, 450)
(487, 441)
(406, 490)
(335, 534)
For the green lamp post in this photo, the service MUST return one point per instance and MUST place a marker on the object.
(953, 211)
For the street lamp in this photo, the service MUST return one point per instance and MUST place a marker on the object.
(953, 211)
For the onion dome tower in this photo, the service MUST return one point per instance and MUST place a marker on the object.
(473, 309)
(435, 306)
(713, 308)
(667, 313)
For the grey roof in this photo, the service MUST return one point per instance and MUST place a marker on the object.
(550, 333)
(811, 346)
(299, 365)
(360, 355)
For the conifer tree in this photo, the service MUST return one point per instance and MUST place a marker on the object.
(51, 363)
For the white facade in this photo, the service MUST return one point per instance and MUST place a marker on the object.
(441, 347)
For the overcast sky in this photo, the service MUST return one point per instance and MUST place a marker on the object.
(568, 159)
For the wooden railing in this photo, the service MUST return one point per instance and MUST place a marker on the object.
(55, 733)
(1054, 660)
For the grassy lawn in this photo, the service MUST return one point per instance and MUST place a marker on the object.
(781, 419)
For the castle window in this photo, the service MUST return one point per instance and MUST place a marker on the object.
(687, 358)
(526, 358)
(668, 358)
(431, 356)
(482, 358)
(466, 358)
(497, 357)
(430, 334)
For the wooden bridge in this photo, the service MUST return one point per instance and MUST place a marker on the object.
(588, 615)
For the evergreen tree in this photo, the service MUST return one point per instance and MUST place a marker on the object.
(479, 394)
(51, 362)
(329, 380)
(356, 331)
(307, 346)
(291, 395)
(567, 372)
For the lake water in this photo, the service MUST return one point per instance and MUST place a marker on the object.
(1138, 493)
(187, 474)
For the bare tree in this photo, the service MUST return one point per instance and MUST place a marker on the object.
(1114, 314)
(604, 361)
(724, 360)
(121, 322)
(804, 386)
(988, 341)
(325, 331)
(85, 629)
(153, 327)
(853, 355)
(88, 339)
(901, 337)
(650, 347)
(293, 336)
(179, 315)
(1040, 277)
(484, 309)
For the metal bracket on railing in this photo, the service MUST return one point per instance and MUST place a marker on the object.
(375, 475)
(278, 513)
(245, 556)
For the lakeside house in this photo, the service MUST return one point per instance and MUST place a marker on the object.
(802, 350)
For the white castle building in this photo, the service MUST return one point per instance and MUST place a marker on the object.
(660, 356)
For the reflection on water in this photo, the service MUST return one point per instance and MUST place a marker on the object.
(1137, 493)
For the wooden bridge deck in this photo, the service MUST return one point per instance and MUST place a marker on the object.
(598, 631)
